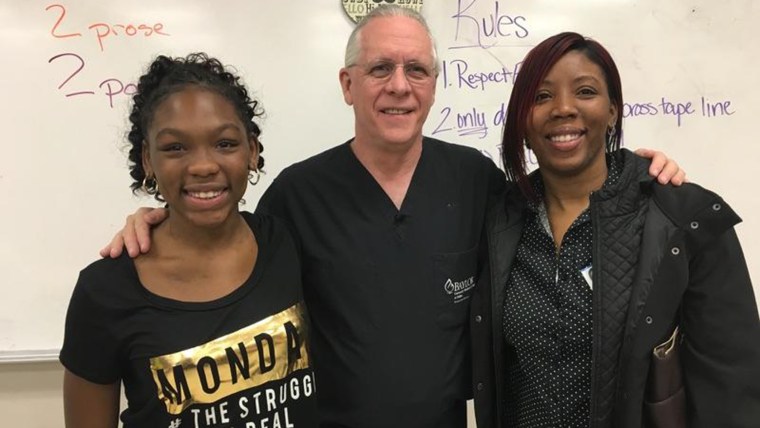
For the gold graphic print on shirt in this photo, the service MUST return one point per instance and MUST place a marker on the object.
(269, 350)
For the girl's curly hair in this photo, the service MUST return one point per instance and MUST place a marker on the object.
(166, 76)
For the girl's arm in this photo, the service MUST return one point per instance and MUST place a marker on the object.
(90, 405)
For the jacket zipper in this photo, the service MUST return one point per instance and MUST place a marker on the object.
(595, 308)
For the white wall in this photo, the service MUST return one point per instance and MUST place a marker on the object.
(63, 172)
(30, 395)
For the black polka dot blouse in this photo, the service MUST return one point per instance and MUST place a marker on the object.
(547, 322)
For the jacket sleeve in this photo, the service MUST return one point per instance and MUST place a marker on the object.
(721, 352)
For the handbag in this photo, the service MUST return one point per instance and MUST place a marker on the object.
(665, 399)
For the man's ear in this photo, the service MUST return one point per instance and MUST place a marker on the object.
(345, 85)
(435, 85)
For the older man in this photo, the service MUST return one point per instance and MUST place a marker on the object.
(390, 224)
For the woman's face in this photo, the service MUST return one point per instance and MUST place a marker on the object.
(568, 123)
(200, 153)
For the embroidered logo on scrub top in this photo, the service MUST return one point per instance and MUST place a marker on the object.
(459, 289)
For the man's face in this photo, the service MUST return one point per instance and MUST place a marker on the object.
(392, 85)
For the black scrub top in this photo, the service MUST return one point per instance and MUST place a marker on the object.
(388, 290)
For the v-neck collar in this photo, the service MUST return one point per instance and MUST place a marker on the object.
(369, 182)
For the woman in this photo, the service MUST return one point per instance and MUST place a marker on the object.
(593, 264)
(208, 328)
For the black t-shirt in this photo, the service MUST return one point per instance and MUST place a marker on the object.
(388, 289)
(239, 360)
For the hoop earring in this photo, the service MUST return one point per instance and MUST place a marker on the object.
(150, 185)
(611, 138)
(254, 178)
(526, 143)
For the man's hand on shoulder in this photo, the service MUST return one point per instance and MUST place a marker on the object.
(135, 235)
(664, 169)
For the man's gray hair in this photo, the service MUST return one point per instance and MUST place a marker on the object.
(353, 47)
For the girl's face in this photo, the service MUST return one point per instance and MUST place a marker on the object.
(200, 153)
(569, 120)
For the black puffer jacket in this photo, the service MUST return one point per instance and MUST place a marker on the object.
(656, 249)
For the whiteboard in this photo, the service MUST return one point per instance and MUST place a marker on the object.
(69, 67)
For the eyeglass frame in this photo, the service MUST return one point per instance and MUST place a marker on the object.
(376, 71)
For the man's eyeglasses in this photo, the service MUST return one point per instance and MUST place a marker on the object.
(415, 72)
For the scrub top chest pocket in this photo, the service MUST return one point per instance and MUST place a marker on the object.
(453, 282)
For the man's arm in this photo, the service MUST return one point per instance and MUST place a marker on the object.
(135, 235)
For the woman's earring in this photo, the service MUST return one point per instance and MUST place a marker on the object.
(254, 176)
(611, 138)
(527, 144)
